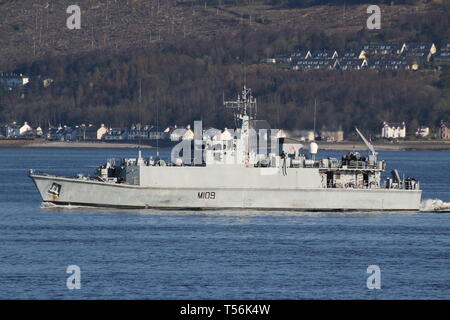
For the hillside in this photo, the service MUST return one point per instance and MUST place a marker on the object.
(31, 30)
(186, 55)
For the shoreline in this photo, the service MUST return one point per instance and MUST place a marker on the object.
(63, 144)
(386, 146)
(338, 146)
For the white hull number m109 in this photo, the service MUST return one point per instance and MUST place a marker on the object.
(206, 195)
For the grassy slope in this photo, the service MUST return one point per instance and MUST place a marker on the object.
(33, 30)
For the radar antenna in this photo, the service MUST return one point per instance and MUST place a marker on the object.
(368, 144)
(245, 105)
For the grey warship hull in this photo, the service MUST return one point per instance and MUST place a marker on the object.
(92, 193)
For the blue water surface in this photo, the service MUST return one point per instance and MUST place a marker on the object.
(149, 254)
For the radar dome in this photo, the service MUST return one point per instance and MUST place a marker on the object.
(313, 148)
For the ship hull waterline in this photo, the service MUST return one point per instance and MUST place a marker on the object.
(112, 195)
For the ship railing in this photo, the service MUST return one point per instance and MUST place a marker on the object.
(39, 173)
(366, 185)
(345, 165)
(407, 184)
(355, 164)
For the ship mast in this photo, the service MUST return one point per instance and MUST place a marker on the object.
(245, 105)
(245, 109)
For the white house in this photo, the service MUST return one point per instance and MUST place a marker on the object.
(25, 129)
(423, 132)
(39, 132)
(101, 132)
(226, 135)
(281, 134)
(393, 130)
(189, 134)
(302, 135)
(177, 134)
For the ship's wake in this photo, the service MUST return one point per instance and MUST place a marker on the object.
(435, 205)
(428, 205)
(50, 205)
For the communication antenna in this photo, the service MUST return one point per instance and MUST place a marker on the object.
(157, 130)
(140, 112)
(343, 13)
(244, 105)
(245, 75)
(315, 111)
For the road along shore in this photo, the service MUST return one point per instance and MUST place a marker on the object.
(339, 146)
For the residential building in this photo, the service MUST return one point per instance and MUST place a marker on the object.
(379, 56)
(175, 133)
(444, 132)
(189, 134)
(101, 132)
(62, 133)
(324, 54)
(389, 64)
(52, 133)
(332, 135)
(421, 51)
(11, 79)
(444, 54)
(47, 82)
(302, 135)
(384, 49)
(301, 54)
(212, 133)
(316, 64)
(116, 134)
(298, 56)
(393, 130)
(352, 64)
(358, 54)
(39, 132)
(12, 131)
(282, 58)
(422, 132)
(86, 132)
(2, 132)
(68, 134)
(25, 129)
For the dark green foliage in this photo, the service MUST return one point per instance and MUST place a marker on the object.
(177, 89)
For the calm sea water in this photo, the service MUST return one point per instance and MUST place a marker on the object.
(147, 254)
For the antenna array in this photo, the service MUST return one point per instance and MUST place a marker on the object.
(245, 105)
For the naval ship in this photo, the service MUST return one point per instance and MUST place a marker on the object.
(245, 170)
